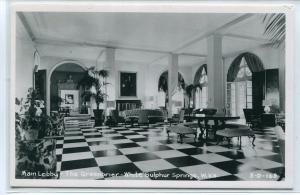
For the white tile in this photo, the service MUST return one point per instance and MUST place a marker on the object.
(102, 147)
(260, 163)
(111, 135)
(73, 145)
(134, 136)
(148, 143)
(153, 165)
(180, 146)
(58, 151)
(77, 156)
(112, 160)
(217, 149)
(86, 173)
(72, 132)
(120, 141)
(204, 171)
(211, 158)
(92, 133)
(95, 139)
(74, 137)
(133, 150)
(59, 141)
(169, 153)
(58, 166)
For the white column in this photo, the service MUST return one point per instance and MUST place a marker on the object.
(216, 85)
(110, 66)
(172, 79)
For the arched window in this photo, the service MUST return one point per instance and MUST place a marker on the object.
(239, 83)
(178, 96)
(200, 82)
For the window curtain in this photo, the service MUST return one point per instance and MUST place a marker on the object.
(196, 80)
(198, 75)
(254, 64)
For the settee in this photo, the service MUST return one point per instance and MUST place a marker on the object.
(152, 115)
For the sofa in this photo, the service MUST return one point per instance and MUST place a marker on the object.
(153, 115)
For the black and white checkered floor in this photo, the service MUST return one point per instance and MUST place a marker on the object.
(145, 153)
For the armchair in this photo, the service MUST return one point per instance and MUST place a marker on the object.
(252, 120)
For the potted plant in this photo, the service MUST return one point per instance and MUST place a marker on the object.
(93, 84)
(35, 148)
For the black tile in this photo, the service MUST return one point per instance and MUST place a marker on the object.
(109, 132)
(157, 148)
(126, 134)
(92, 136)
(120, 129)
(228, 166)
(76, 150)
(233, 154)
(97, 143)
(73, 134)
(184, 161)
(78, 164)
(127, 145)
(102, 153)
(119, 169)
(167, 141)
(225, 178)
(139, 139)
(142, 157)
(170, 174)
(58, 157)
(140, 130)
(194, 151)
(90, 131)
(59, 145)
(117, 137)
(74, 141)
(276, 158)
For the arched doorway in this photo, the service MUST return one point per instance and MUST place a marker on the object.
(240, 88)
(63, 81)
(177, 98)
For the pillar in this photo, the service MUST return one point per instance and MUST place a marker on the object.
(110, 66)
(172, 79)
(216, 85)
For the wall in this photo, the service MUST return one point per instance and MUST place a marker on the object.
(24, 61)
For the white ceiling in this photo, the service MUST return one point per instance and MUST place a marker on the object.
(83, 35)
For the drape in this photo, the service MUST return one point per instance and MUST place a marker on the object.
(198, 75)
(254, 64)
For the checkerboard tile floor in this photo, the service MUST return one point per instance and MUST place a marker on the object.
(145, 153)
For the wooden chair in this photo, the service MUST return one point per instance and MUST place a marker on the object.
(252, 120)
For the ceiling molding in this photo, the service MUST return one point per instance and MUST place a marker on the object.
(26, 26)
(209, 33)
(233, 54)
(218, 30)
(246, 37)
(97, 45)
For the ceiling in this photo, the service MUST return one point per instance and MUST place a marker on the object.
(144, 38)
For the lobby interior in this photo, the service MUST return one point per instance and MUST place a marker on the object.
(183, 96)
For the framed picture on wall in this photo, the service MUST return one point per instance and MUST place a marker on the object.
(69, 99)
(128, 84)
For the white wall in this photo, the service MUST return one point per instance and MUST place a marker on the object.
(24, 61)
